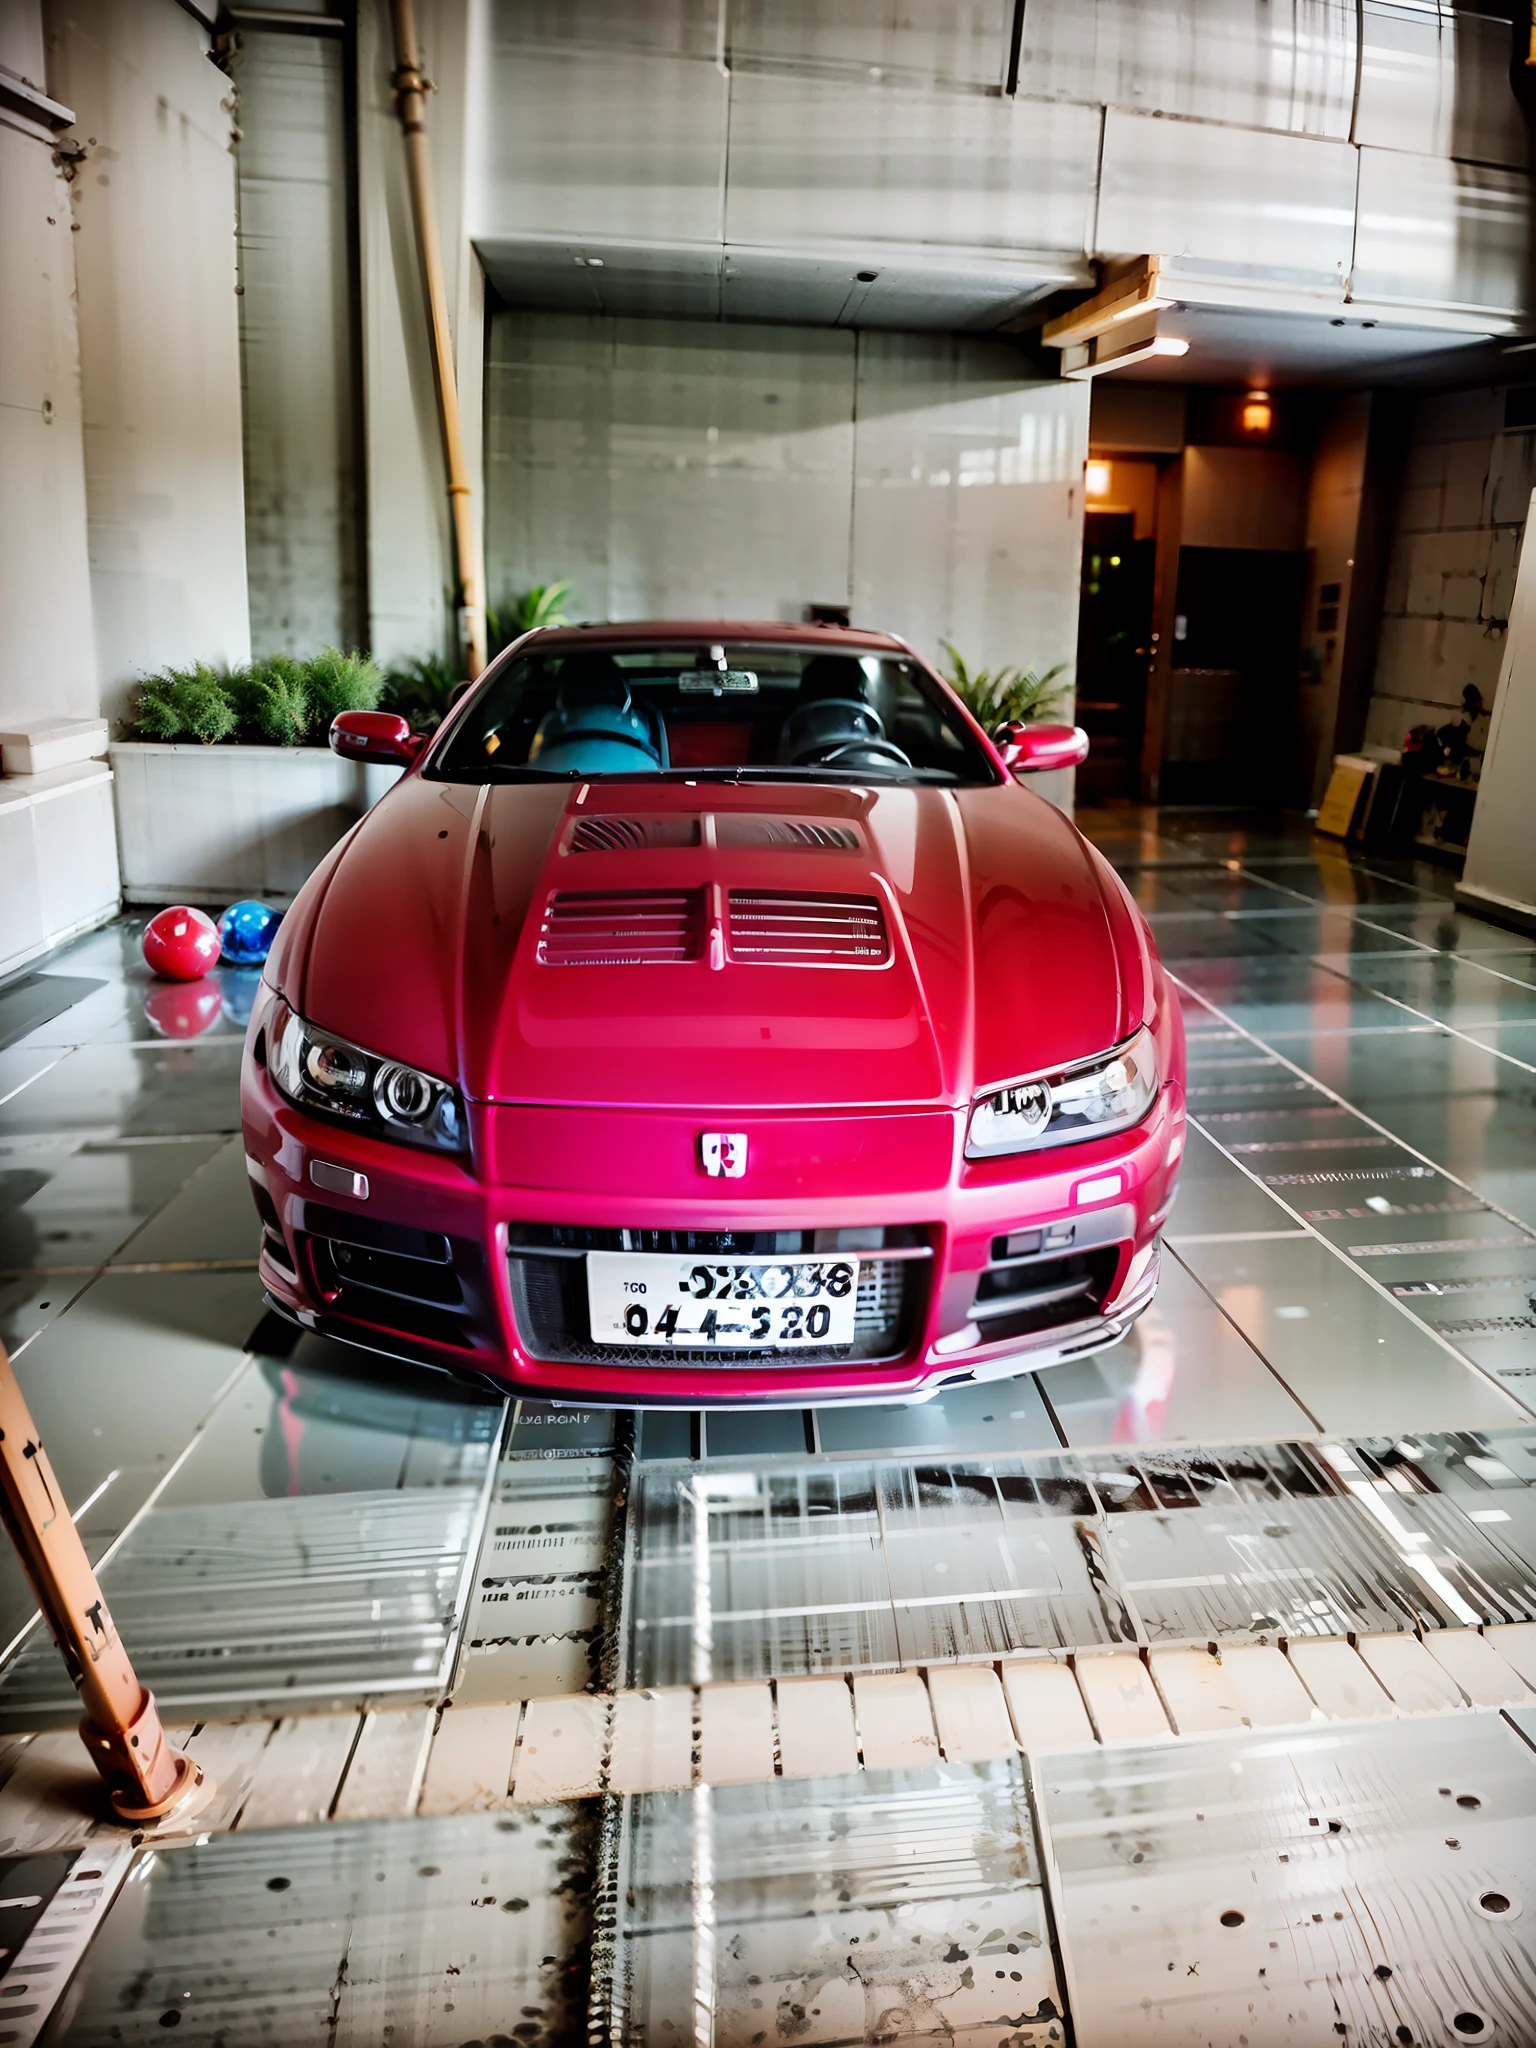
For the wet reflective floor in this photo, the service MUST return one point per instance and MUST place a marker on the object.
(543, 1723)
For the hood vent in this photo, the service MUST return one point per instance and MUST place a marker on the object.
(775, 929)
(810, 833)
(599, 834)
(633, 929)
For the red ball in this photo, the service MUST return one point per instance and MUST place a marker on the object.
(186, 1009)
(181, 944)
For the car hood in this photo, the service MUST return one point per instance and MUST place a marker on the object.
(1008, 945)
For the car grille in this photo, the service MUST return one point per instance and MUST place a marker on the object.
(773, 928)
(635, 928)
(549, 1292)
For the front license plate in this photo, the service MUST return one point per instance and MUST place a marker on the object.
(724, 1305)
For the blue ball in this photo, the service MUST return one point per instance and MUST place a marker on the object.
(246, 932)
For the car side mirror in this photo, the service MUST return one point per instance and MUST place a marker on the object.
(458, 693)
(1029, 749)
(375, 736)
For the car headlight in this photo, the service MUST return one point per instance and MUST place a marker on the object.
(316, 1070)
(1089, 1101)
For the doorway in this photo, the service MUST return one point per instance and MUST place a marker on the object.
(1114, 648)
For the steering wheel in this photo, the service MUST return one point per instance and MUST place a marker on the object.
(886, 748)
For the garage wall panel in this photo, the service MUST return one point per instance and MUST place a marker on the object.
(303, 543)
(678, 469)
(670, 468)
(1440, 234)
(816, 161)
(1438, 83)
(1238, 201)
(1290, 67)
(968, 501)
(47, 659)
(950, 42)
(154, 206)
(606, 142)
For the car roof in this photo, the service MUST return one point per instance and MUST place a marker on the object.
(662, 632)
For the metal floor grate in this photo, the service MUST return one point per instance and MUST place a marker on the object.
(427, 1933)
(903, 1905)
(262, 1605)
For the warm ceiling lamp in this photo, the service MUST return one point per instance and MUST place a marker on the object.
(1258, 413)
(1098, 479)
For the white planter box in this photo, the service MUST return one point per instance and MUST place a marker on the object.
(58, 858)
(214, 824)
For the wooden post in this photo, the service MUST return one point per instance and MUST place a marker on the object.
(144, 1776)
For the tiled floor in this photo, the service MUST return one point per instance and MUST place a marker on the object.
(834, 1725)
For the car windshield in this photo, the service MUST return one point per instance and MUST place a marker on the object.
(716, 711)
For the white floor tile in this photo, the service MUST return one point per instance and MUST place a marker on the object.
(896, 1730)
(1048, 1711)
(971, 1713)
(1122, 1699)
(817, 1738)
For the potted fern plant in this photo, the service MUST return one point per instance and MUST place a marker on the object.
(227, 787)
(1005, 696)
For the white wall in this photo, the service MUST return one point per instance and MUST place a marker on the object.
(675, 469)
(302, 458)
(1466, 486)
(153, 202)
(47, 654)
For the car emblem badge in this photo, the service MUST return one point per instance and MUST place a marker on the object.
(723, 1154)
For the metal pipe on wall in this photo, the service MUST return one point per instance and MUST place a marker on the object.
(411, 91)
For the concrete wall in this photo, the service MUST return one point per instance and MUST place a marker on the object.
(677, 469)
(410, 551)
(153, 201)
(47, 656)
(303, 476)
(1461, 511)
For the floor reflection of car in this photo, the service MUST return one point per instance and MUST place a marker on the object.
(338, 1432)
(710, 1015)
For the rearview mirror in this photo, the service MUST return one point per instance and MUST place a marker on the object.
(1029, 749)
(375, 736)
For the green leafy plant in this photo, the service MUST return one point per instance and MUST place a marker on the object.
(420, 690)
(1003, 696)
(341, 682)
(184, 704)
(541, 606)
(271, 700)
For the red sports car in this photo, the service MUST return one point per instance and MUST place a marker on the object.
(707, 1015)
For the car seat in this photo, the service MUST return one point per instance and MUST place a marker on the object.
(596, 728)
(833, 721)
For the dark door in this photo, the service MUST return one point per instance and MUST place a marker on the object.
(1230, 736)
(1114, 640)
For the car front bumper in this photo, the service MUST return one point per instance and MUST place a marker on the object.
(1007, 1265)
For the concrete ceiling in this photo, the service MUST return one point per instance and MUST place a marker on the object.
(1344, 349)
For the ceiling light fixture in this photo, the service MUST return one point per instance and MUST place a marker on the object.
(1258, 413)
